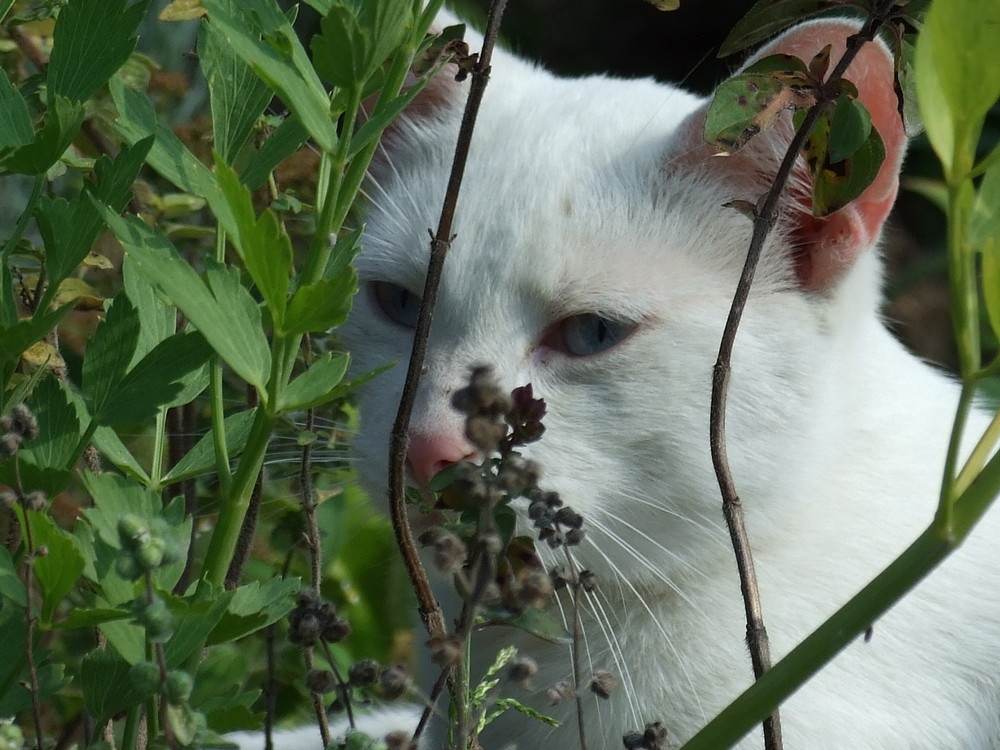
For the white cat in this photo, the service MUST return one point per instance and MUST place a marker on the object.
(593, 259)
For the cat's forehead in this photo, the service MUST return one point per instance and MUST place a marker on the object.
(567, 196)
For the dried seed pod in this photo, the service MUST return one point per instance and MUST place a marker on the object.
(394, 681)
(23, 422)
(569, 517)
(446, 650)
(521, 670)
(35, 501)
(575, 536)
(603, 683)
(320, 680)
(450, 553)
(561, 691)
(655, 736)
(364, 672)
(336, 629)
(634, 741)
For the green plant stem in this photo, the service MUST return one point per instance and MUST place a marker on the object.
(159, 446)
(219, 425)
(235, 502)
(979, 456)
(962, 277)
(130, 731)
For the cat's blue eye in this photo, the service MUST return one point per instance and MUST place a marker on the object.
(398, 304)
(587, 334)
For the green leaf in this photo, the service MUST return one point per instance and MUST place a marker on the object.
(984, 236)
(157, 319)
(238, 96)
(45, 463)
(193, 621)
(157, 379)
(110, 352)
(15, 120)
(91, 41)
(837, 184)
(315, 386)
(768, 17)
(58, 571)
(747, 104)
(849, 128)
(69, 229)
(339, 51)
(261, 242)
(62, 122)
(263, 38)
(201, 458)
(11, 587)
(956, 85)
(255, 606)
(18, 337)
(323, 305)
(222, 309)
(90, 617)
(286, 139)
(106, 687)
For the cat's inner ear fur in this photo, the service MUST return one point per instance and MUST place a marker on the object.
(823, 247)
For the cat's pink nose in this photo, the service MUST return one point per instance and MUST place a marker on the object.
(429, 454)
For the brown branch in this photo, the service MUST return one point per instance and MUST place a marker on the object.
(765, 218)
(430, 610)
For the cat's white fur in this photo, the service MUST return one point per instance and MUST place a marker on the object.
(592, 195)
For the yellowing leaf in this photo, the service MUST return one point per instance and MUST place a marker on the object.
(182, 10)
(96, 260)
(80, 291)
(43, 354)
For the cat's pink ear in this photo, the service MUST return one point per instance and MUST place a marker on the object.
(826, 247)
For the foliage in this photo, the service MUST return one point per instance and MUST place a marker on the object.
(125, 564)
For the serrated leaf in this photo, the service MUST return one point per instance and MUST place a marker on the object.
(261, 242)
(221, 309)
(279, 59)
(58, 427)
(237, 95)
(193, 621)
(323, 305)
(955, 87)
(103, 677)
(339, 50)
(110, 352)
(768, 17)
(15, 121)
(157, 319)
(316, 385)
(201, 458)
(255, 606)
(69, 229)
(62, 122)
(58, 571)
(92, 39)
(157, 379)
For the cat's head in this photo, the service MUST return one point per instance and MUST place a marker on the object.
(592, 258)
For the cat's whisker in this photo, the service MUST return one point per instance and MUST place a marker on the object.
(653, 619)
(617, 655)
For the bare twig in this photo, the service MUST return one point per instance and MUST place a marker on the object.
(765, 218)
(430, 610)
